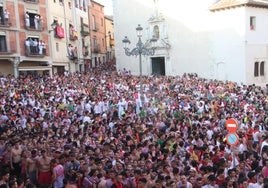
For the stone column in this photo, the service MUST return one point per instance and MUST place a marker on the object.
(50, 68)
(16, 62)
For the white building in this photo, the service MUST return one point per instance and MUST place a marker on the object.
(218, 39)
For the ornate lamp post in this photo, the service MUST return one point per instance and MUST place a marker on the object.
(140, 49)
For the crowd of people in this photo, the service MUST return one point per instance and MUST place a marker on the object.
(96, 130)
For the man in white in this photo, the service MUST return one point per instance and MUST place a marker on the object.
(258, 184)
(27, 19)
(36, 21)
(27, 44)
(35, 46)
(40, 46)
(6, 16)
(121, 107)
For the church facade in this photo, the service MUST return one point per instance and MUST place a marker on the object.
(217, 39)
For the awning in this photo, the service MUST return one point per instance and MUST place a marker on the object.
(32, 11)
(59, 63)
(32, 36)
(34, 68)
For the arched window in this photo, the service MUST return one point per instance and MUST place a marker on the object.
(256, 69)
(262, 69)
(156, 31)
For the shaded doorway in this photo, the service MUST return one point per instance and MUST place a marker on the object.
(158, 66)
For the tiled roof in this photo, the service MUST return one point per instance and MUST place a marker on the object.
(223, 4)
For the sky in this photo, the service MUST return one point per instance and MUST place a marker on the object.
(108, 6)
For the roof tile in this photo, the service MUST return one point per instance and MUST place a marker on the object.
(223, 4)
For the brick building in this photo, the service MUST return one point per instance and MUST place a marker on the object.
(43, 37)
(98, 33)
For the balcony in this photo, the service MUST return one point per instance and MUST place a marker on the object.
(35, 51)
(73, 36)
(32, 1)
(72, 52)
(95, 28)
(85, 31)
(85, 51)
(33, 22)
(4, 23)
(33, 28)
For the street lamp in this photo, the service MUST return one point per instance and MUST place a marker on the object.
(53, 26)
(140, 49)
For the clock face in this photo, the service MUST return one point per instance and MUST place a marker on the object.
(232, 139)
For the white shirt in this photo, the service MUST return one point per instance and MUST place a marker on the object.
(210, 186)
(254, 185)
(6, 14)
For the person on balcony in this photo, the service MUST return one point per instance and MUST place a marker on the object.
(31, 42)
(44, 47)
(36, 21)
(35, 46)
(27, 19)
(70, 51)
(27, 46)
(40, 46)
(41, 22)
(6, 16)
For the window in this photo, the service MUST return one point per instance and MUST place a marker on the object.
(96, 61)
(3, 44)
(2, 16)
(33, 20)
(34, 46)
(156, 31)
(84, 5)
(256, 69)
(94, 23)
(252, 22)
(70, 5)
(57, 47)
(101, 21)
(95, 43)
(103, 42)
(262, 68)
(61, 2)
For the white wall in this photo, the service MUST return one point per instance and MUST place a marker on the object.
(256, 44)
(215, 45)
(186, 31)
(228, 44)
(134, 12)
